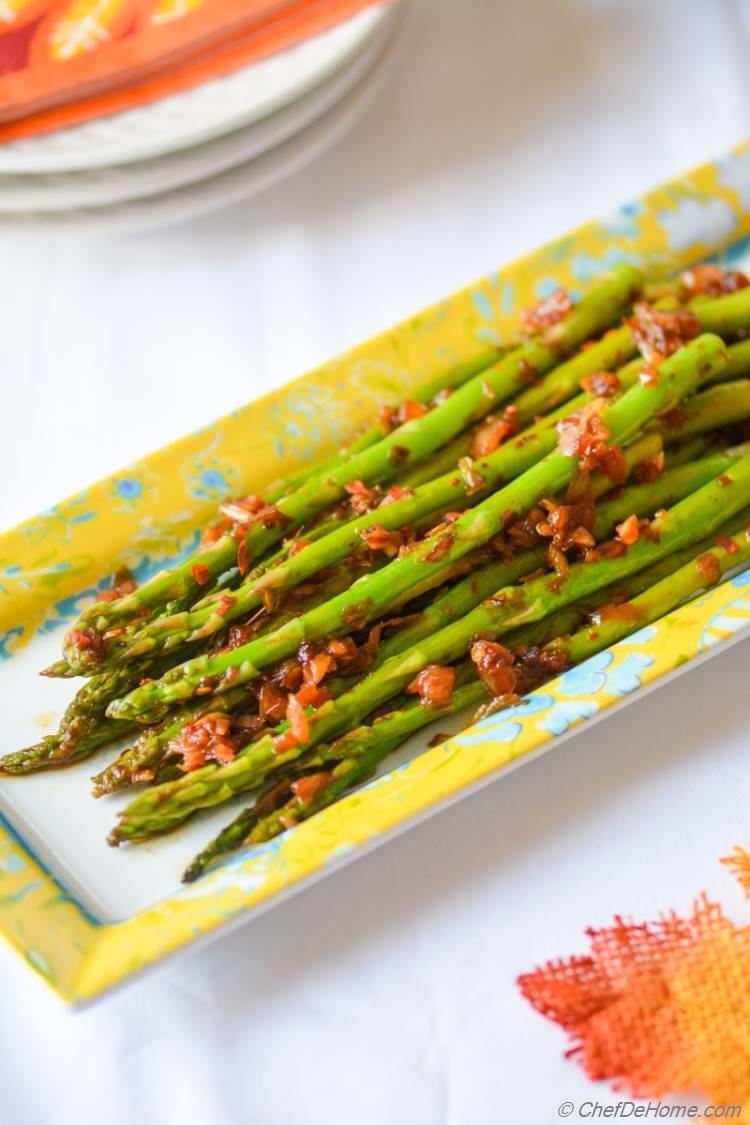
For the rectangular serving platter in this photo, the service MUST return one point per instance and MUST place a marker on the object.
(87, 917)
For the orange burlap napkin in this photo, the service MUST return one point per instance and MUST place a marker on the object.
(663, 1007)
(67, 61)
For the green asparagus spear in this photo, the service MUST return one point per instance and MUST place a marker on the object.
(353, 758)
(408, 444)
(371, 596)
(699, 514)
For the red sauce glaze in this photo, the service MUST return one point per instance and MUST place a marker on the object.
(727, 544)
(650, 468)
(709, 569)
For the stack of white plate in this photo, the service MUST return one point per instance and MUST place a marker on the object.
(210, 146)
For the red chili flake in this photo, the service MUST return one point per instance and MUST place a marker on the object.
(442, 396)
(709, 569)
(725, 480)
(200, 574)
(602, 384)
(547, 311)
(123, 583)
(363, 499)
(297, 719)
(434, 685)
(247, 510)
(243, 556)
(213, 533)
(113, 633)
(659, 334)
(728, 544)
(410, 410)
(473, 481)
(649, 376)
(494, 666)
(650, 468)
(298, 545)
(86, 640)
(284, 742)
(629, 531)
(378, 538)
(305, 788)
(712, 281)
(145, 680)
(494, 431)
(206, 739)
(583, 434)
(224, 604)
(394, 493)
(386, 417)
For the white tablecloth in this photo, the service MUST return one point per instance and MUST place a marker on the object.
(386, 993)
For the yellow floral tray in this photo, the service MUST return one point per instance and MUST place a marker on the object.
(85, 916)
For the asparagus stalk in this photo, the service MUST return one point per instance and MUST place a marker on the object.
(372, 744)
(722, 315)
(639, 499)
(408, 444)
(353, 758)
(703, 512)
(371, 596)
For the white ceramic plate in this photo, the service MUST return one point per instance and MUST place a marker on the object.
(198, 115)
(106, 186)
(225, 189)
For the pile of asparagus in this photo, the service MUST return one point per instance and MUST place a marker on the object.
(529, 509)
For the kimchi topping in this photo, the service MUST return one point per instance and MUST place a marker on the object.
(434, 685)
(659, 334)
(547, 311)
